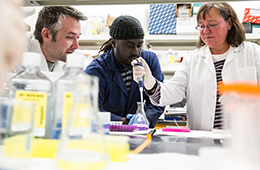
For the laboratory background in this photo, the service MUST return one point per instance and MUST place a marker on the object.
(86, 139)
(177, 42)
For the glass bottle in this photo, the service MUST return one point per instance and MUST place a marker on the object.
(31, 85)
(82, 145)
(16, 124)
(64, 90)
(140, 117)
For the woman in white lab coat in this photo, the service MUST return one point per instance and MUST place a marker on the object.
(222, 55)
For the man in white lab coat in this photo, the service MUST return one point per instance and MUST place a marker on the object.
(56, 34)
(222, 55)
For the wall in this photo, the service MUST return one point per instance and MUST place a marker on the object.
(140, 12)
(240, 6)
(137, 11)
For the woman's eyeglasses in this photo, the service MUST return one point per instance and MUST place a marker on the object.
(210, 26)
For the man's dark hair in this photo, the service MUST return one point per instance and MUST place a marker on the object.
(50, 17)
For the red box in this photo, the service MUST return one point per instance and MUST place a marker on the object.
(252, 15)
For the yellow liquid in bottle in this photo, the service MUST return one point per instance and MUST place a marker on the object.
(80, 159)
(17, 146)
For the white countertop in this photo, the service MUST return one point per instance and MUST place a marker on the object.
(134, 162)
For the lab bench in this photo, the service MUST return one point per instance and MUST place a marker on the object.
(166, 149)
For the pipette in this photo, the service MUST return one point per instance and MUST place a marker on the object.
(140, 82)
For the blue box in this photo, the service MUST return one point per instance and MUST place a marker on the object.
(162, 19)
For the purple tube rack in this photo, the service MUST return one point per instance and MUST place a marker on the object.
(123, 128)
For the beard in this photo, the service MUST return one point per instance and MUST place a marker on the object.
(128, 66)
(123, 60)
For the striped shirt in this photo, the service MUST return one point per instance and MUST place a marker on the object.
(157, 93)
(127, 76)
(218, 120)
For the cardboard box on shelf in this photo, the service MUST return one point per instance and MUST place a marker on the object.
(162, 19)
(109, 20)
(184, 10)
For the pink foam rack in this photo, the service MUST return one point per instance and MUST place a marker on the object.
(175, 129)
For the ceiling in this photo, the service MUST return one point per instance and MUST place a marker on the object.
(107, 2)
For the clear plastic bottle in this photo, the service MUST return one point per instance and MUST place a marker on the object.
(16, 125)
(64, 88)
(31, 85)
(82, 145)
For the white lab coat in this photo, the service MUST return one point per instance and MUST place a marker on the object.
(196, 80)
(34, 46)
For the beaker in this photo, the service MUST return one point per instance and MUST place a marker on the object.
(241, 119)
(82, 145)
(16, 125)
(140, 119)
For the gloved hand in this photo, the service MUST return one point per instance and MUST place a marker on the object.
(139, 71)
(132, 118)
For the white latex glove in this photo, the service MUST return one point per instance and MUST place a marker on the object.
(139, 71)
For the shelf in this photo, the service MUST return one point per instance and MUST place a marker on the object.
(169, 38)
(107, 2)
(253, 37)
(93, 38)
(187, 38)
(170, 69)
(158, 42)
(183, 42)
(175, 42)
(93, 42)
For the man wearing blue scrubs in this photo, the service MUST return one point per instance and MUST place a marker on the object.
(118, 92)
